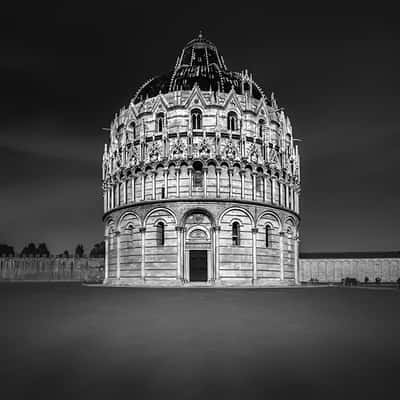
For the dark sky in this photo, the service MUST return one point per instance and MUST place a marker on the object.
(65, 71)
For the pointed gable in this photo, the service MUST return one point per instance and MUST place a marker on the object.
(232, 101)
(262, 110)
(160, 104)
(195, 98)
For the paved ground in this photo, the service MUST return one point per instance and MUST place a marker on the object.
(70, 341)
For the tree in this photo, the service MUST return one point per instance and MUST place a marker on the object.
(98, 250)
(65, 254)
(6, 250)
(42, 250)
(32, 251)
(29, 251)
(79, 251)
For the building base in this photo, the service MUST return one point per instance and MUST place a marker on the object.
(175, 283)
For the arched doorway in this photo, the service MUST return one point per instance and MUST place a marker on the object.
(198, 248)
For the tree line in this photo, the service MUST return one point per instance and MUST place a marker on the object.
(41, 250)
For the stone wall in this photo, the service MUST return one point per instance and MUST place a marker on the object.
(134, 256)
(336, 269)
(49, 269)
(84, 269)
(256, 160)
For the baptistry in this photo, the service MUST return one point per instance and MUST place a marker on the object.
(201, 181)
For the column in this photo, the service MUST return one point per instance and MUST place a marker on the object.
(177, 172)
(117, 194)
(179, 274)
(296, 260)
(142, 230)
(166, 183)
(265, 188)
(143, 184)
(281, 188)
(183, 266)
(230, 176)
(218, 175)
(211, 268)
(133, 189)
(165, 150)
(153, 185)
(291, 198)
(254, 183)
(281, 237)
(126, 191)
(217, 230)
(117, 234)
(205, 171)
(287, 196)
(242, 184)
(272, 189)
(254, 236)
(105, 200)
(122, 187)
(190, 171)
(106, 256)
(112, 196)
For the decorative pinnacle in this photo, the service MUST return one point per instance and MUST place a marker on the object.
(200, 34)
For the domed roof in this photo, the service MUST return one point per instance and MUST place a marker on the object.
(199, 63)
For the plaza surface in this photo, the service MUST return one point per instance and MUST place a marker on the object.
(69, 341)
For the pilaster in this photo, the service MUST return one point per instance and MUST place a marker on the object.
(142, 230)
(281, 237)
(254, 243)
(118, 236)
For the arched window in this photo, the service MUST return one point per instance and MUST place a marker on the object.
(111, 239)
(267, 236)
(132, 126)
(197, 174)
(259, 184)
(261, 124)
(236, 234)
(160, 122)
(120, 128)
(160, 234)
(196, 119)
(232, 121)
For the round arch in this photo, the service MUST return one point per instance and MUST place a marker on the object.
(201, 228)
(291, 222)
(109, 222)
(124, 215)
(200, 210)
(158, 209)
(270, 214)
(237, 209)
